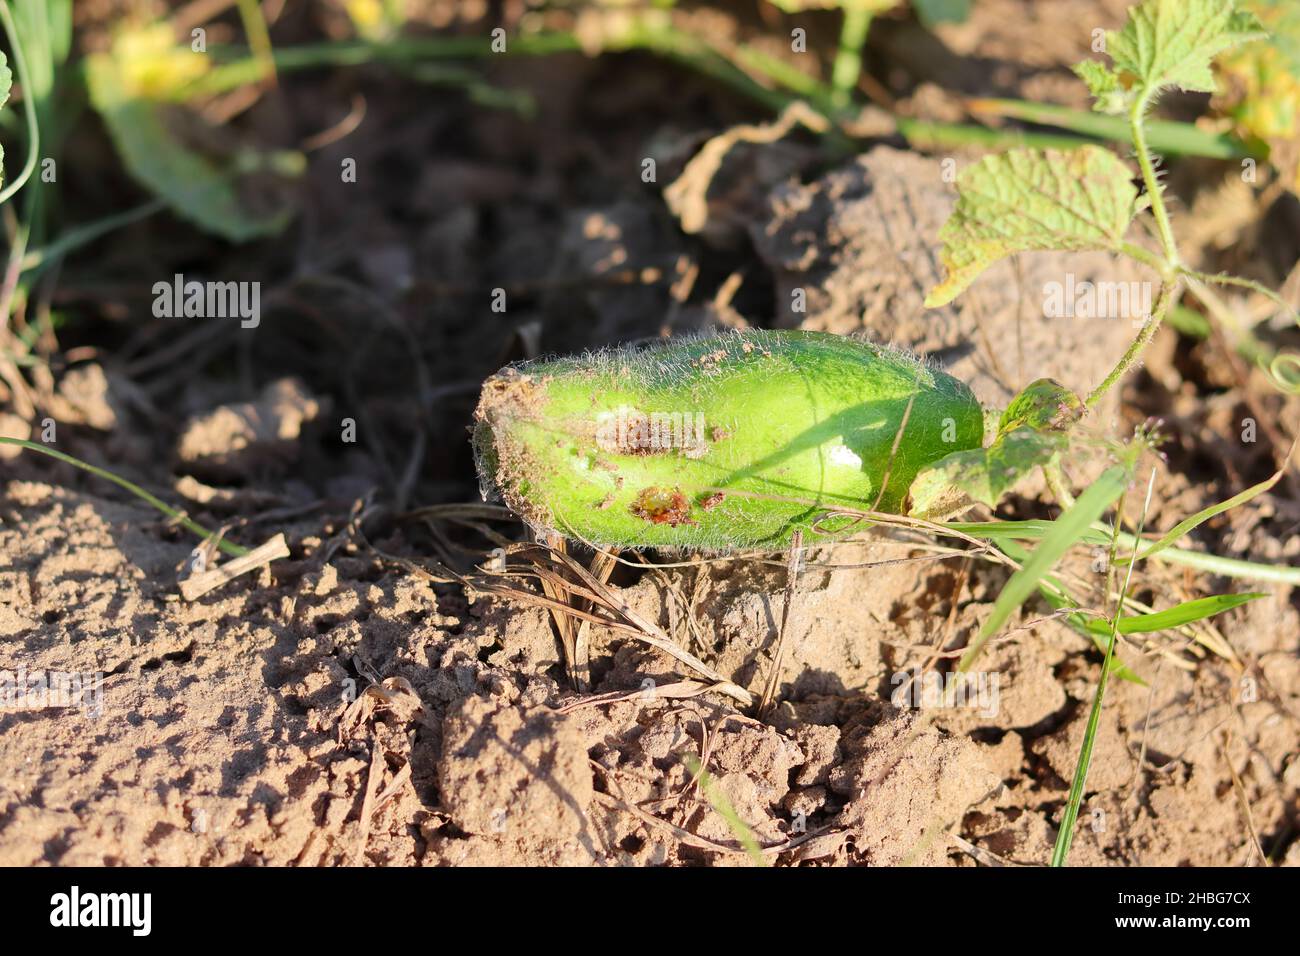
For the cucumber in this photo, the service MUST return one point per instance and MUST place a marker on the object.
(716, 443)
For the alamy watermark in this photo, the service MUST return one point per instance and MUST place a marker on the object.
(1073, 299)
(74, 908)
(42, 690)
(179, 299)
(927, 689)
(629, 430)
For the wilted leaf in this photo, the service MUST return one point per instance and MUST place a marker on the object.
(226, 188)
(984, 474)
(1032, 199)
(1043, 405)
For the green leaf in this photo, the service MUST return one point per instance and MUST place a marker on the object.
(983, 474)
(1105, 86)
(1043, 405)
(1033, 200)
(158, 141)
(1171, 42)
(1175, 616)
(1071, 527)
(1028, 436)
(6, 83)
(1166, 43)
(6, 79)
(1030, 529)
(933, 12)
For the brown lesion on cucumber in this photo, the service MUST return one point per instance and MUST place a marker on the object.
(662, 506)
(511, 394)
(506, 467)
(713, 500)
(711, 360)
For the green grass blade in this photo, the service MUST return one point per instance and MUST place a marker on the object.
(228, 547)
(718, 800)
(1059, 597)
(29, 105)
(1067, 530)
(1030, 529)
(1163, 136)
(1187, 524)
(1176, 616)
(1065, 835)
(1099, 535)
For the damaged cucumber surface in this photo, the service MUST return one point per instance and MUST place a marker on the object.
(717, 443)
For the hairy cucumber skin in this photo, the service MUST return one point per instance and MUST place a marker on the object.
(768, 432)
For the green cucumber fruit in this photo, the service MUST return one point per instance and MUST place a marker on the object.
(717, 443)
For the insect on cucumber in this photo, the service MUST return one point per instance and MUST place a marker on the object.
(717, 443)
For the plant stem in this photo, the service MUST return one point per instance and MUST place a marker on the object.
(1137, 120)
(259, 37)
(1167, 289)
(1183, 139)
(1147, 258)
(1211, 278)
(1055, 479)
(848, 59)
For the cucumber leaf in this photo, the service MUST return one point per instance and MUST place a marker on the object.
(1043, 405)
(1029, 434)
(983, 474)
(1028, 200)
(1166, 43)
